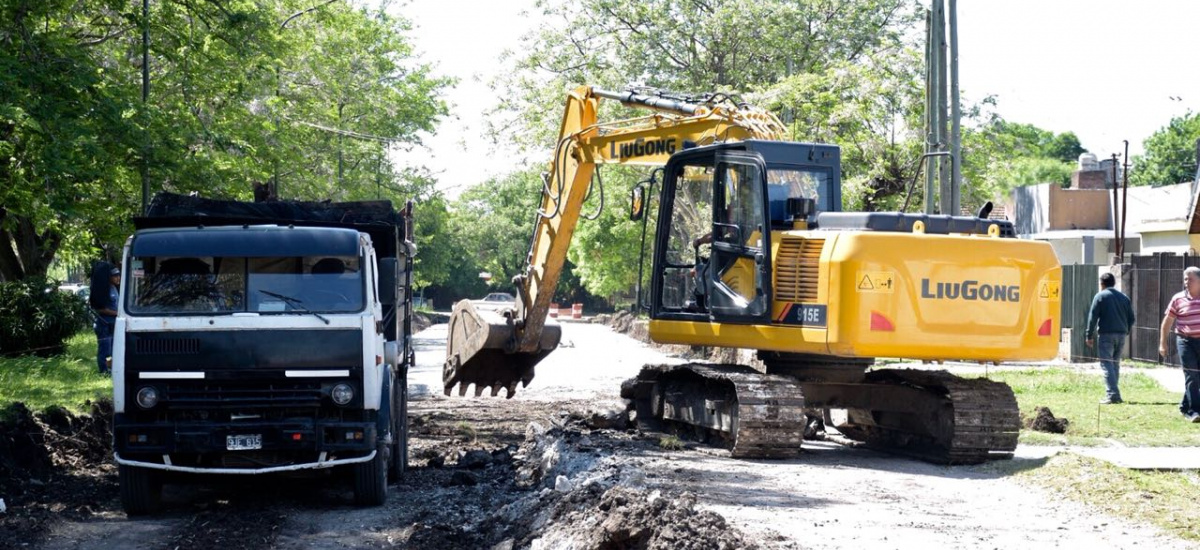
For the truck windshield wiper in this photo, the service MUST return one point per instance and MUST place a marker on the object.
(297, 304)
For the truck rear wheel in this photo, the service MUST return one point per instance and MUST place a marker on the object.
(370, 480)
(141, 490)
(399, 459)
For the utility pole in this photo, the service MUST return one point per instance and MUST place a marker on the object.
(932, 142)
(1124, 203)
(943, 112)
(955, 116)
(943, 131)
(145, 168)
(1116, 216)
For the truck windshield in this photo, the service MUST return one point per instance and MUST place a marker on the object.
(207, 285)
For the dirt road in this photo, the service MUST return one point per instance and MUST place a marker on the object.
(542, 471)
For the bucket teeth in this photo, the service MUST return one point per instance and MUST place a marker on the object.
(479, 389)
(496, 386)
(512, 389)
(462, 389)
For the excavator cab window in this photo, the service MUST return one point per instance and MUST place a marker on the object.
(688, 238)
(738, 267)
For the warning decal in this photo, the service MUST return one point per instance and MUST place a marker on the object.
(1049, 291)
(876, 281)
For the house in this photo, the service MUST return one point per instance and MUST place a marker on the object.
(1078, 221)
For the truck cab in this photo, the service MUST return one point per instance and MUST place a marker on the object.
(255, 348)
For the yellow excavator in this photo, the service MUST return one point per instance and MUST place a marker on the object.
(750, 249)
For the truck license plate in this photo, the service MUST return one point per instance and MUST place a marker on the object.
(249, 442)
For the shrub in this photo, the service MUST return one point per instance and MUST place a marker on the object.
(36, 319)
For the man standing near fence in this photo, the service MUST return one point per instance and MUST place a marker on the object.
(1112, 314)
(1184, 311)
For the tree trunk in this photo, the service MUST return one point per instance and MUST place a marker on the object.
(24, 251)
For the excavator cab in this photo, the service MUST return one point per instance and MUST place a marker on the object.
(718, 207)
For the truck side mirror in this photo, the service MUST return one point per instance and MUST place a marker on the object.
(388, 269)
(637, 203)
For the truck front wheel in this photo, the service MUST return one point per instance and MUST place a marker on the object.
(370, 480)
(141, 490)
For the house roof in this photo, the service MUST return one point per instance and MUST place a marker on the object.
(1158, 207)
(1074, 234)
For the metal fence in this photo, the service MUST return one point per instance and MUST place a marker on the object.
(1153, 280)
(1078, 288)
(1156, 278)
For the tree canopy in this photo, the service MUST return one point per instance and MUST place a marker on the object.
(848, 72)
(305, 96)
(1170, 153)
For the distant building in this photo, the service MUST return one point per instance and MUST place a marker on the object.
(1078, 221)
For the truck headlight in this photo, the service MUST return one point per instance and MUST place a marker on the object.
(147, 397)
(342, 393)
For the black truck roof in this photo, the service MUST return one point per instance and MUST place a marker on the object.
(386, 226)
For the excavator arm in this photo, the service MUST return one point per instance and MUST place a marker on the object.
(497, 350)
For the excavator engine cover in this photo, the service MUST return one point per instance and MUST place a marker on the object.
(478, 351)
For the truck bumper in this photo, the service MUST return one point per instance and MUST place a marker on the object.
(205, 447)
(166, 465)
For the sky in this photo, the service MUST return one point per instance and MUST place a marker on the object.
(1107, 70)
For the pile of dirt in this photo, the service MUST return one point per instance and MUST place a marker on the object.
(626, 323)
(624, 517)
(53, 464)
(34, 447)
(1044, 421)
(568, 485)
(423, 320)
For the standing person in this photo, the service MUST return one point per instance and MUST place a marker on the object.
(1112, 314)
(106, 279)
(1184, 312)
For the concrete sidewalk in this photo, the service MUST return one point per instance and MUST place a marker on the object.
(1133, 458)
(1170, 378)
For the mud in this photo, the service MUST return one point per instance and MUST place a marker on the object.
(53, 465)
(1045, 421)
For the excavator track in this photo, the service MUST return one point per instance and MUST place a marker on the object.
(931, 415)
(756, 415)
(943, 418)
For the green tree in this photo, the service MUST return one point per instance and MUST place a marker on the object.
(694, 46)
(1065, 147)
(872, 108)
(307, 97)
(1170, 155)
(496, 219)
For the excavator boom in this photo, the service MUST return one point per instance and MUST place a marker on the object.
(498, 350)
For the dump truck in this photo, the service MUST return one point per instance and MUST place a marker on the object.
(258, 338)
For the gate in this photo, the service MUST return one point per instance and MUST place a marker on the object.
(1079, 284)
(1156, 279)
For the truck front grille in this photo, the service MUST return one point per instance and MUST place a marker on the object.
(166, 346)
(230, 395)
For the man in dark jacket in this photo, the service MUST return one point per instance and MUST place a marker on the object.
(106, 279)
(1112, 314)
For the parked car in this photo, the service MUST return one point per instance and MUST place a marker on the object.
(496, 301)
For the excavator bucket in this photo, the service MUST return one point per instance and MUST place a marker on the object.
(478, 351)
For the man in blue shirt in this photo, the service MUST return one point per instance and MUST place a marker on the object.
(103, 299)
(1112, 314)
